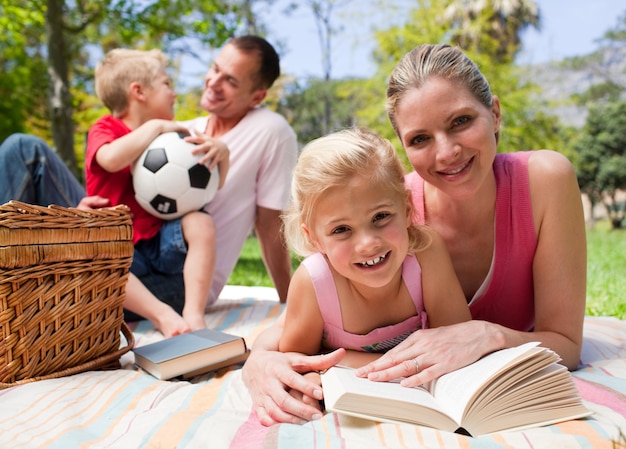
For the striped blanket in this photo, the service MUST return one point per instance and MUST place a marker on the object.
(129, 409)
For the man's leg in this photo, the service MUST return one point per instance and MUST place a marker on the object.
(31, 172)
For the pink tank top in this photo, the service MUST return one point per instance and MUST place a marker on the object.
(508, 299)
(378, 340)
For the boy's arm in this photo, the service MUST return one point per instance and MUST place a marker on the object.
(122, 152)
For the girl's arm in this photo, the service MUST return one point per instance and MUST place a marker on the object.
(303, 325)
(444, 300)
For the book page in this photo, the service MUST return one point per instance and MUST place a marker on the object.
(383, 401)
(455, 390)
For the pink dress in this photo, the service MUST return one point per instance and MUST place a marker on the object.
(506, 296)
(378, 340)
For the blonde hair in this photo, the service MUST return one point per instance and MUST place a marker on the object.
(119, 69)
(328, 162)
(434, 60)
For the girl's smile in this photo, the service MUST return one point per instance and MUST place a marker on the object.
(362, 230)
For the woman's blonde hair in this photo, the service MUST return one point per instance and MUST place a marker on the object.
(329, 162)
(434, 60)
(119, 69)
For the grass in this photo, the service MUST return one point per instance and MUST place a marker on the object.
(606, 270)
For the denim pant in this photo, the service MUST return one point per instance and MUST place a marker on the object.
(31, 172)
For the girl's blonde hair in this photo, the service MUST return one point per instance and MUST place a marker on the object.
(119, 69)
(328, 162)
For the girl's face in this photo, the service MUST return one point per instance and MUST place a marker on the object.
(362, 229)
(448, 135)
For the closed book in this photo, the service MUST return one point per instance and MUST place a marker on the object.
(510, 389)
(196, 352)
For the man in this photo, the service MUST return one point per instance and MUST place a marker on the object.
(263, 152)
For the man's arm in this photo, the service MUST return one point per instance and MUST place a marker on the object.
(274, 249)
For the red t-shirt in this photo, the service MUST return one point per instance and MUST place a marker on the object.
(118, 186)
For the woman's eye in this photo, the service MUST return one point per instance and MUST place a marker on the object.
(461, 120)
(418, 139)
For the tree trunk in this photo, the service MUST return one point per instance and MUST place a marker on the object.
(60, 98)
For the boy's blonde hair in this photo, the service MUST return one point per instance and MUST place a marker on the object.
(329, 162)
(119, 69)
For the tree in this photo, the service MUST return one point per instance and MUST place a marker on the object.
(302, 107)
(501, 20)
(75, 29)
(23, 70)
(481, 35)
(601, 167)
(323, 13)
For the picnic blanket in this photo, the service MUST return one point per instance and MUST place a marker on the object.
(129, 409)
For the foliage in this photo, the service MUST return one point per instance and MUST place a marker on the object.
(303, 109)
(617, 34)
(478, 31)
(601, 162)
(23, 70)
(79, 29)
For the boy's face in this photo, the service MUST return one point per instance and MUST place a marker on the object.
(161, 97)
(230, 88)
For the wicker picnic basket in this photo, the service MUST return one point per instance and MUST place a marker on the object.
(63, 274)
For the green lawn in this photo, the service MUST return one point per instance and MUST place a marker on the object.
(606, 267)
(606, 271)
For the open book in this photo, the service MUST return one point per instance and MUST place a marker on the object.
(509, 389)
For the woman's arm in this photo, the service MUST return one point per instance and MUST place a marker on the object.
(444, 300)
(560, 264)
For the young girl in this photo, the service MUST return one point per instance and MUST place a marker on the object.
(371, 276)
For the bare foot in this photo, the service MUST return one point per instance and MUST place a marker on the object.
(194, 320)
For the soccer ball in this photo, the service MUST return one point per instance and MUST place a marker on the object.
(168, 180)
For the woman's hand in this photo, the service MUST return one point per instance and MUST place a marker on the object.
(280, 393)
(316, 378)
(430, 353)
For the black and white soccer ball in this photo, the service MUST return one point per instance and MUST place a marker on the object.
(168, 180)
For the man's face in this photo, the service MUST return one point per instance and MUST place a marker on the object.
(230, 88)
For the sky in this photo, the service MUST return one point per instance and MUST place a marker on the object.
(569, 29)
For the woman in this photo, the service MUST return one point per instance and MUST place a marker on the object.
(513, 224)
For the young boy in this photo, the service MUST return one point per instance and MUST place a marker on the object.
(135, 87)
